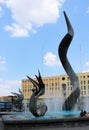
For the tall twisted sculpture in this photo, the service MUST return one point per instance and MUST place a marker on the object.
(39, 89)
(70, 102)
(17, 102)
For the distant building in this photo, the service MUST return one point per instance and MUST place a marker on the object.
(6, 98)
(6, 103)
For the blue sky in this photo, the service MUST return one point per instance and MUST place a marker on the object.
(30, 32)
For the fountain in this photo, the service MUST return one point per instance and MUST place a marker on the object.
(38, 117)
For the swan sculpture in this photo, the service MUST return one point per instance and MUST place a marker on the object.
(39, 89)
(17, 102)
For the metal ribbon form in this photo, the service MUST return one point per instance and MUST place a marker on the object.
(70, 102)
(17, 103)
(39, 89)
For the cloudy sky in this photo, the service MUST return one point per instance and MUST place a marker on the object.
(30, 32)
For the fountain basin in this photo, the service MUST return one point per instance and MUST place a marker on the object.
(19, 122)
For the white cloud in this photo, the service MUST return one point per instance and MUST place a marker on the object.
(2, 1)
(17, 30)
(2, 63)
(50, 59)
(87, 63)
(87, 10)
(27, 15)
(1, 11)
(7, 86)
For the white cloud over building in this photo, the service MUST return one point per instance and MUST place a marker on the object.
(28, 15)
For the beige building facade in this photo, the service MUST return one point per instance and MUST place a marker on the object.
(58, 86)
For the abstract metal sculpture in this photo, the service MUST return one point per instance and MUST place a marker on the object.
(70, 102)
(38, 90)
(17, 102)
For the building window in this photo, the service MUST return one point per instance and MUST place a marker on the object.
(81, 87)
(55, 84)
(67, 78)
(84, 87)
(88, 81)
(84, 82)
(64, 86)
(81, 82)
(68, 83)
(63, 78)
(80, 77)
(46, 85)
(84, 77)
(52, 84)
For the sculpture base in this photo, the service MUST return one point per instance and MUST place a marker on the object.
(18, 122)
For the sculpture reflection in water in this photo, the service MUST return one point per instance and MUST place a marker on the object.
(17, 104)
(39, 89)
(71, 101)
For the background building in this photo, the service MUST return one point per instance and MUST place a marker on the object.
(56, 85)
